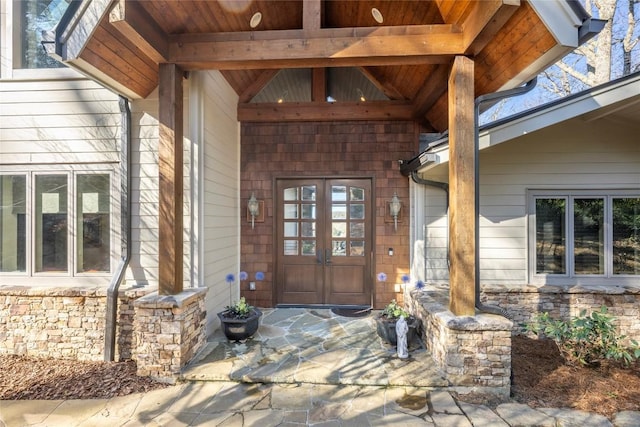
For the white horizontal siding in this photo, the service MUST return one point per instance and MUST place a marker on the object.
(573, 155)
(220, 191)
(58, 121)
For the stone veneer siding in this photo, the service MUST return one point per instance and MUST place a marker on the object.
(522, 302)
(63, 322)
(169, 330)
(473, 352)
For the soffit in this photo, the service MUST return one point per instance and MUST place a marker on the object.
(411, 50)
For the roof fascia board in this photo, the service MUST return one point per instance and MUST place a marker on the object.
(598, 98)
(75, 36)
(560, 19)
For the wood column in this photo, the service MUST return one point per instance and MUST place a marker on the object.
(170, 168)
(462, 195)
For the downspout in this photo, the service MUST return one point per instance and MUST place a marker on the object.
(444, 186)
(490, 97)
(125, 230)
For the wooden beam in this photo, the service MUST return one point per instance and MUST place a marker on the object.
(325, 111)
(462, 196)
(385, 87)
(431, 91)
(416, 44)
(484, 21)
(319, 85)
(170, 168)
(311, 14)
(256, 85)
(133, 21)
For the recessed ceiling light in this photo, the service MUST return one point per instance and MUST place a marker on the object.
(377, 15)
(255, 20)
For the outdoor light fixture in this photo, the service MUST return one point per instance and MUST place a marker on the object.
(377, 16)
(254, 208)
(361, 95)
(394, 209)
(255, 20)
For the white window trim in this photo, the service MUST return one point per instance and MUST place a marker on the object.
(71, 276)
(569, 278)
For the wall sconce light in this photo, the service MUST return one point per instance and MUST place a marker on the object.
(394, 209)
(253, 205)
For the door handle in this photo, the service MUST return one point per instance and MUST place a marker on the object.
(327, 256)
(319, 257)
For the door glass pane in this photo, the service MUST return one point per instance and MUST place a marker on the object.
(291, 194)
(309, 247)
(290, 229)
(339, 229)
(339, 212)
(51, 223)
(357, 248)
(588, 236)
(357, 230)
(357, 194)
(290, 211)
(309, 193)
(309, 211)
(93, 216)
(339, 248)
(291, 247)
(338, 193)
(13, 243)
(626, 236)
(550, 236)
(356, 211)
(308, 229)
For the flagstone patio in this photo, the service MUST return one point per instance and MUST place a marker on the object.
(317, 346)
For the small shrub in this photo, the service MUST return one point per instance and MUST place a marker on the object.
(240, 310)
(586, 339)
(394, 311)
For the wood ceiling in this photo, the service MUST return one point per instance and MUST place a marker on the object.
(407, 57)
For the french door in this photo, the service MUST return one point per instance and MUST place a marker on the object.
(323, 239)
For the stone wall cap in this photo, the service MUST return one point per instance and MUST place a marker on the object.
(563, 289)
(154, 300)
(70, 291)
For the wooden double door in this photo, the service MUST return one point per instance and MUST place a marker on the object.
(324, 241)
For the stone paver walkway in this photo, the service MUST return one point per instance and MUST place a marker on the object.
(304, 367)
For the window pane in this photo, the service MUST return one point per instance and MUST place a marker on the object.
(308, 229)
(309, 211)
(94, 223)
(308, 247)
(291, 247)
(290, 211)
(550, 236)
(290, 229)
(357, 230)
(339, 229)
(588, 236)
(626, 236)
(339, 248)
(357, 248)
(338, 211)
(309, 193)
(51, 223)
(39, 16)
(357, 194)
(356, 211)
(291, 194)
(338, 193)
(13, 248)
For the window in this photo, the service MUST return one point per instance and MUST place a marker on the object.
(56, 223)
(36, 17)
(582, 235)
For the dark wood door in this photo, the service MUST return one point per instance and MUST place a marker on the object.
(324, 241)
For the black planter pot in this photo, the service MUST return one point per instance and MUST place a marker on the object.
(239, 329)
(386, 329)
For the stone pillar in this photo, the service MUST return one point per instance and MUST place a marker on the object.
(169, 330)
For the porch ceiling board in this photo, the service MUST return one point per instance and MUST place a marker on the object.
(405, 56)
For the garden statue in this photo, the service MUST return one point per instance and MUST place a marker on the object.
(401, 332)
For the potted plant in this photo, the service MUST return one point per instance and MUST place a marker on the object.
(386, 323)
(240, 320)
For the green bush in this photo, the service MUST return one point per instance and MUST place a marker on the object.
(394, 311)
(586, 339)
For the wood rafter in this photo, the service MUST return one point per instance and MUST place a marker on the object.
(130, 18)
(256, 86)
(385, 87)
(484, 21)
(324, 111)
(430, 92)
(417, 44)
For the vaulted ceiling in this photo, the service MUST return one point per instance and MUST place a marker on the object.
(405, 48)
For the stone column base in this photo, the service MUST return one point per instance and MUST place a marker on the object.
(474, 352)
(168, 330)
